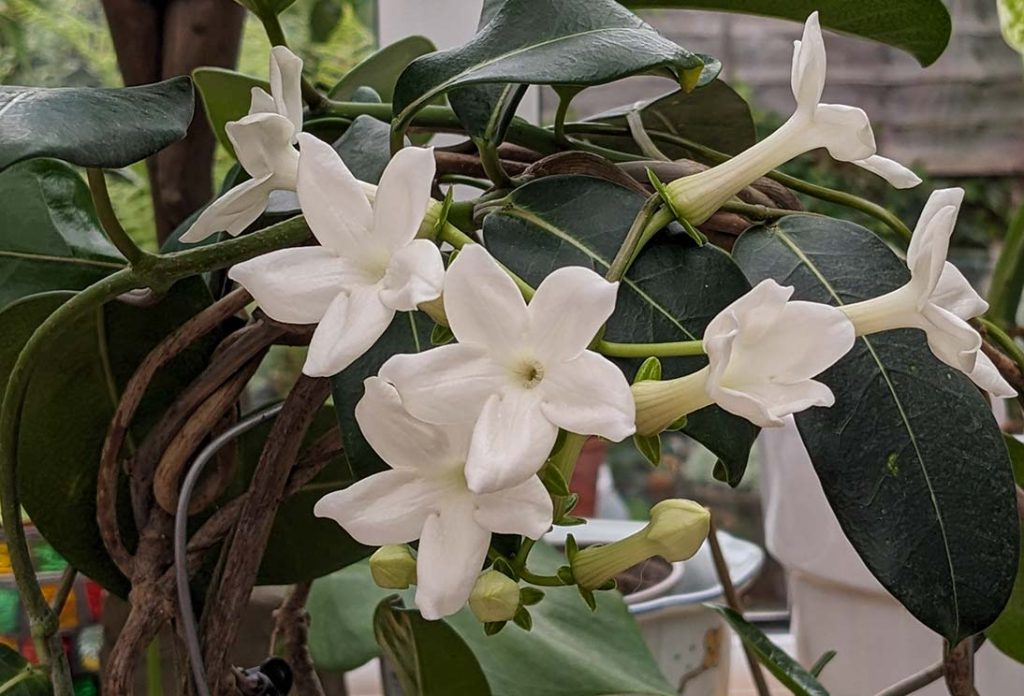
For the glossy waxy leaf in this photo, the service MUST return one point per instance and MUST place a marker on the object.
(93, 127)
(550, 42)
(50, 238)
(364, 148)
(919, 27)
(714, 116)
(226, 96)
(20, 678)
(380, 71)
(783, 667)
(428, 656)
(341, 606)
(1007, 633)
(671, 293)
(910, 457)
(74, 393)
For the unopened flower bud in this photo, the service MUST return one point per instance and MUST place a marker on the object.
(676, 531)
(495, 597)
(393, 567)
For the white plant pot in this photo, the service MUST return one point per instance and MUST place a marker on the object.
(687, 640)
(836, 603)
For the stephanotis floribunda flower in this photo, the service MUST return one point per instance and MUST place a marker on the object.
(425, 496)
(518, 372)
(264, 143)
(844, 131)
(368, 263)
(763, 351)
(938, 299)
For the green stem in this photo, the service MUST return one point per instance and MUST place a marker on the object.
(758, 212)
(645, 350)
(1004, 341)
(560, 113)
(21, 676)
(491, 163)
(67, 584)
(541, 580)
(481, 184)
(108, 219)
(1008, 276)
(630, 247)
(154, 675)
(519, 562)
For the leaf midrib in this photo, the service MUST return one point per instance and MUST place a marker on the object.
(60, 259)
(540, 222)
(899, 406)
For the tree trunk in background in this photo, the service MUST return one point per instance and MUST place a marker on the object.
(159, 39)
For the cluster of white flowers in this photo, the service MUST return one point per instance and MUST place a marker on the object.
(466, 427)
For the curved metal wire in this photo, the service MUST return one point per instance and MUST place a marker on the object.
(188, 621)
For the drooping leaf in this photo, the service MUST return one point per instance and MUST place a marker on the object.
(71, 399)
(19, 678)
(714, 116)
(380, 71)
(226, 95)
(550, 42)
(919, 27)
(428, 656)
(671, 293)
(1007, 633)
(50, 238)
(93, 127)
(910, 457)
(783, 667)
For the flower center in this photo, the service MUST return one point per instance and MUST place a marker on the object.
(529, 373)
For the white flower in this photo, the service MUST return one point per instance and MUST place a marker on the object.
(424, 496)
(763, 351)
(264, 146)
(368, 265)
(844, 131)
(520, 373)
(938, 299)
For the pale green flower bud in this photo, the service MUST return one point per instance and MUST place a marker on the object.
(495, 597)
(393, 567)
(676, 531)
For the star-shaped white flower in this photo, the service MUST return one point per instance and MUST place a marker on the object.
(763, 351)
(368, 265)
(938, 299)
(518, 372)
(264, 145)
(425, 496)
(844, 131)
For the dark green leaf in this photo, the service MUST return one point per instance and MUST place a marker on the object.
(714, 116)
(1007, 633)
(323, 19)
(341, 606)
(19, 678)
(920, 27)
(783, 667)
(381, 70)
(364, 148)
(910, 457)
(822, 662)
(650, 447)
(93, 127)
(408, 333)
(226, 95)
(551, 42)
(73, 393)
(50, 238)
(671, 292)
(428, 656)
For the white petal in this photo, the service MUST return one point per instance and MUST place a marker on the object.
(447, 384)
(951, 339)
(286, 85)
(954, 293)
(766, 405)
(569, 308)
(233, 212)
(483, 304)
(589, 395)
(390, 507)
(401, 440)
(332, 199)
(844, 131)
(451, 554)
(260, 102)
(927, 259)
(351, 325)
(757, 312)
(403, 196)
(263, 145)
(808, 73)
(524, 509)
(295, 285)
(511, 440)
(986, 376)
(890, 170)
(415, 275)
